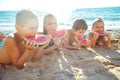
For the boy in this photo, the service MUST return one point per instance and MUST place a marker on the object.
(79, 27)
(15, 50)
(2, 36)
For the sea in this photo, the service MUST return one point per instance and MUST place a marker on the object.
(110, 15)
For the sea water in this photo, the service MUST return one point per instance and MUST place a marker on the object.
(110, 15)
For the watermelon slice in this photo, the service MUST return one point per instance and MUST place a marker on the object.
(39, 40)
(80, 38)
(58, 34)
(100, 32)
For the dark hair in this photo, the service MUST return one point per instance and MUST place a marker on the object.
(24, 15)
(97, 20)
(45, 20)
(79, 24)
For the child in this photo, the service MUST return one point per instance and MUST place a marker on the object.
(78, 29)
(2, 36)
(98, 34)
(16, 51)
(49, 26)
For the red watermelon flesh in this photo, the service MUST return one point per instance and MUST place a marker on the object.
(38, 39)
(80, 38)
(100, 32)
(58, 34)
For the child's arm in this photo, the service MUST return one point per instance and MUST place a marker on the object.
(92, 38)
(108, 39)
(67, 46)
(40, 50)
(53, 47)
(73, 47)
(48, 50)
(17, 58)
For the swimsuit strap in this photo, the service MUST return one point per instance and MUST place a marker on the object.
(50, 44)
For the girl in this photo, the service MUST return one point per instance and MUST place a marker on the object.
(98, 34)
(74, 38)
(49, 26)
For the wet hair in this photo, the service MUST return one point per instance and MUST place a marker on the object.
(45, 21)
(79, 24)
(24, 15)
(97, 20)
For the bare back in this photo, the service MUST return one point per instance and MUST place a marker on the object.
(71, 36)
(11, 45)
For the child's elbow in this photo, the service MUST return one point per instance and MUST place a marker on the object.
(19, 66)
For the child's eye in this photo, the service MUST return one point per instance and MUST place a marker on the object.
(80, 32)
(33, 28)
(101, 26)
(97, 26)
(50, 24)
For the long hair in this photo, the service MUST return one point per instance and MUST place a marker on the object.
(45, 21)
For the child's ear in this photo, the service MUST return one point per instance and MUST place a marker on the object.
(92, 28)
(16, 26)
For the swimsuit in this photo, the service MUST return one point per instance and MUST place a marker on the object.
(51, 43)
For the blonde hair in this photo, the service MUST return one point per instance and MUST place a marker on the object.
(24, 15)
(48, 15)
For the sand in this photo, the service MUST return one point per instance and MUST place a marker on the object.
(99, 63)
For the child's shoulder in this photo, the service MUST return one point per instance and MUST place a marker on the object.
(10, 38)
(70, 31)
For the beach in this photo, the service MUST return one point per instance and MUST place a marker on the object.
(99, 63)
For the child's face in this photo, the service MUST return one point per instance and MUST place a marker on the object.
(98, 27)
(80, 32)
(51, 25)
(30, 28)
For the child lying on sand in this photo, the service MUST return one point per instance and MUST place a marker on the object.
(98, 36)
(75, 37)
(15, 50)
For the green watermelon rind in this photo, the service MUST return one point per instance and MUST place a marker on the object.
(41, 44)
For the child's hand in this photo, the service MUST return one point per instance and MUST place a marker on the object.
(57, 43)
(88, 43)
(78, 45)
(107, 34)
(30, 45)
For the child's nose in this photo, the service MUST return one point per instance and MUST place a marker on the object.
(34, 32)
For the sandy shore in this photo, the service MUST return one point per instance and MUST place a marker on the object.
(99, 63)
